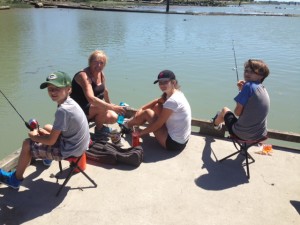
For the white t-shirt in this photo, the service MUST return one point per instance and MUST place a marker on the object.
(179, 123)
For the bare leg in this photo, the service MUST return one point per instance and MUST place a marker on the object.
(147, 115)
(161, 135)
(101, 116)
(141, 117)
(24, 159)
(150, 115)
(220, 117)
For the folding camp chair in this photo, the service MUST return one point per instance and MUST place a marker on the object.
(242, 147)
(74, 168)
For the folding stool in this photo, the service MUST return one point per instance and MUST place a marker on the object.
(242, 147)
(74, 168)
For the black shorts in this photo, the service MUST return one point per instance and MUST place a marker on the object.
(172, 145)
(230, 119)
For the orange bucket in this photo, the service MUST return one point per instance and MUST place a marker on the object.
(81, 163)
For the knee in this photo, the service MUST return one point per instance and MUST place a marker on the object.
(111, 117)
(157, 109)
(224, 111)
(26, 145)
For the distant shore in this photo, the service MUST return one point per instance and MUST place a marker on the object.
(137, 9)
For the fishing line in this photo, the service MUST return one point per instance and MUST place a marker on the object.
(236, 69)
(26, 123)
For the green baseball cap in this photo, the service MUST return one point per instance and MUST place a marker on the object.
(58, 79)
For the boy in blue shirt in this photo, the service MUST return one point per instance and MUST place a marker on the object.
(249, 120)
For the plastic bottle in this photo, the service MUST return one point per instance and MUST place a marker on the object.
(121, 117)
(135, 138)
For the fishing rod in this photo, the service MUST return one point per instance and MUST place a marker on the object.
(31, 125)
(236, 70)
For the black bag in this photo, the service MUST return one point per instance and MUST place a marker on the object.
(108, 153)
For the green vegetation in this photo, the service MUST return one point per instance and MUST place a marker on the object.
(123, 3)
(14, 3)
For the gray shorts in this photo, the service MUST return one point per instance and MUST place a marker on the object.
(41, 151)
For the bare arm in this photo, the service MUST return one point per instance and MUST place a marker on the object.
(153, 103)
(238, 109)
(85, 83)
(46, 139)
(161, 120)
(106, 96)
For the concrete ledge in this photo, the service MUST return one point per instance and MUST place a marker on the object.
(205, 128)
(10, 161)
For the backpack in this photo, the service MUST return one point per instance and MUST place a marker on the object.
(109, 153)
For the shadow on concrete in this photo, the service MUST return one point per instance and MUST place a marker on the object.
(18, 207)
(153, 152)
(296, 205)
(220, 176)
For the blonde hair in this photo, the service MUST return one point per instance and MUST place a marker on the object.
(96, 55)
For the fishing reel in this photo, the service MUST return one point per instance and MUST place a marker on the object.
(32, 124)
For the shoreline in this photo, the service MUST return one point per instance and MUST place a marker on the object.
(205, 129)
(133, 7)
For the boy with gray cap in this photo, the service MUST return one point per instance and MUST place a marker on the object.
(68, 136)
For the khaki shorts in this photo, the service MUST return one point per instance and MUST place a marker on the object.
(41, 151)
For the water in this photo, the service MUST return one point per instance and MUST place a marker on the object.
(36, 42)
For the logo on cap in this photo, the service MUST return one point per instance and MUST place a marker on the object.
(52, 77)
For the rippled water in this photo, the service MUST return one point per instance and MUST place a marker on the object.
(35, 42)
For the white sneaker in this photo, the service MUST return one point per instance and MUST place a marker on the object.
(219, 126)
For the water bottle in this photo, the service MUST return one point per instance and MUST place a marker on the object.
(135, 137)
(120, 116)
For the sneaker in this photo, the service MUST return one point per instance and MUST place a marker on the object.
(217, 127)
(102, 134)
(105, 130)
(47, 162)
(9, 179)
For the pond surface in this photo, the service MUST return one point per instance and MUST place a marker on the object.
(36, 42)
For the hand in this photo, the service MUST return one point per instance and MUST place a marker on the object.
(161, 101)
(33, 133)
(119, 109)
(240, 84)
(42, 132)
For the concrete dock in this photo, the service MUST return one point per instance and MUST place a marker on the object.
(186, 188)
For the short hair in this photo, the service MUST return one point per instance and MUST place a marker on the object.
(258, 66)
(96, 55)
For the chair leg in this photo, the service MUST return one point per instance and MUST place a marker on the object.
(87, 176)
(65, 181)
(247, 166)
(244, 151)
(73, 166)
(237, 152)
